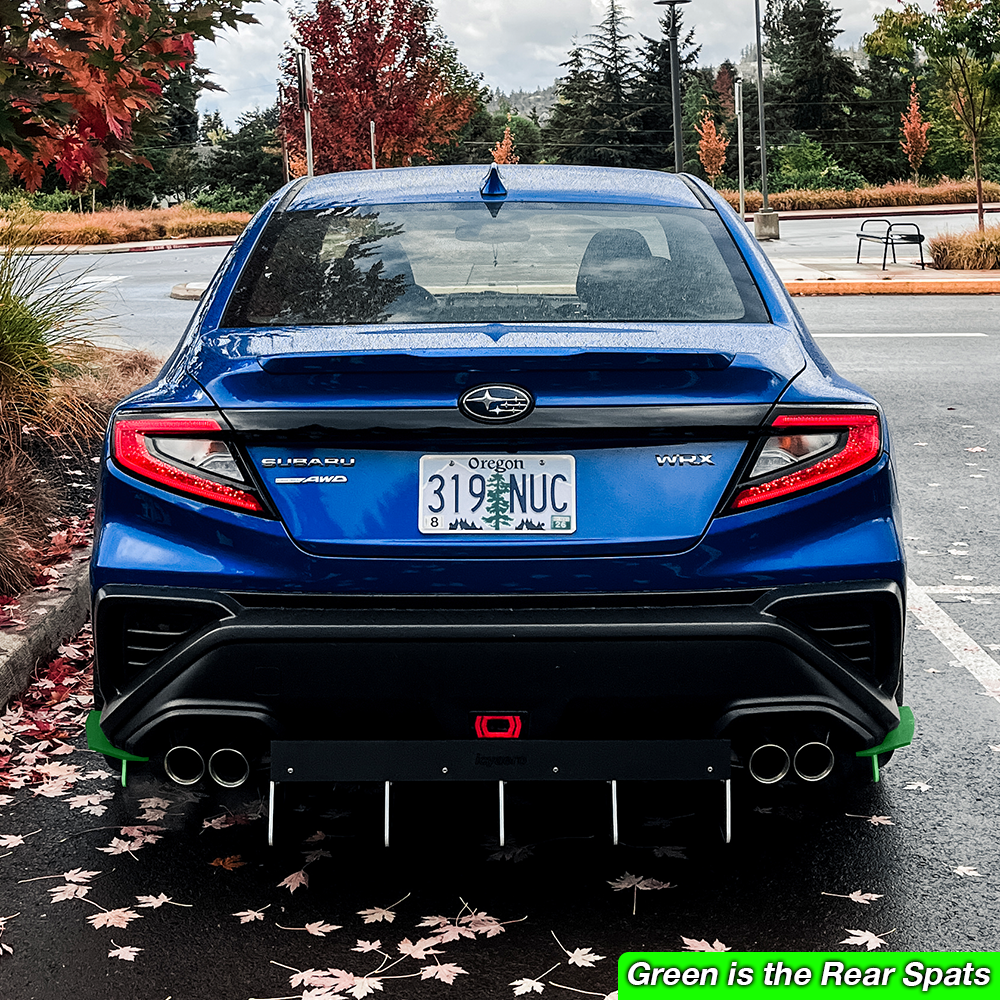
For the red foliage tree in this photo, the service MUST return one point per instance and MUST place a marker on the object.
(914, 142)
(712, 147)
(75, 73)
(725, 89)
(382, 61)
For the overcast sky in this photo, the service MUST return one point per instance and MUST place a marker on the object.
(515, 44)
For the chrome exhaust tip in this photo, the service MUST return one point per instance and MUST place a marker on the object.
(228, 768)
(813, 761)
(769, 763)
(184, 765)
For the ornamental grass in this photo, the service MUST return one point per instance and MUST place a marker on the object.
(898, 195)
(974, 251)
(56, 388)
(131, 226)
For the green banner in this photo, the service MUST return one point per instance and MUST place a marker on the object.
(805, 973)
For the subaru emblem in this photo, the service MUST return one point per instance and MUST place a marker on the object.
(496, 403)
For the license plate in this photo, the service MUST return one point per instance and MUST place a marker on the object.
(509, 494)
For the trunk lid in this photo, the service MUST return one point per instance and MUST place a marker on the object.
(627, 449)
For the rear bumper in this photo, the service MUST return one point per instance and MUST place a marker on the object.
(687, 666)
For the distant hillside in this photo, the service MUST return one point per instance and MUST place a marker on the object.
(524, 102)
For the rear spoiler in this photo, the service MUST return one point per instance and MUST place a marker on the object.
(527, 360)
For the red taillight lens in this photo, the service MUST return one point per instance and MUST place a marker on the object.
(177, 453)
(816, 448)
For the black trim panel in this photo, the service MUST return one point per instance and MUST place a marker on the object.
(499, 760)
(449, 418)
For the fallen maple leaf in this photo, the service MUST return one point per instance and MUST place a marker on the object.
(126, 953)
(78, 875)
(583, 957)
(375, 913)
(917, 786)
(11, 840)
(69, 891)
(156, 901)
(700, 944)
(311, 856)
(445, 972)
(420, 950)
(364, 985)
(867, 938)
(964, 871)
(248, 916)
(863, 897)
(230, 864)
(320, 929)
(371, 945)
(119, 846)
(434, 921)
(513, 853)
(452, 932)
(522, 986)
(874, 820)
(114, 918)
(294, 880)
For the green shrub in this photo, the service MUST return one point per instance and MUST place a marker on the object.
(226, 198)
(828, 179)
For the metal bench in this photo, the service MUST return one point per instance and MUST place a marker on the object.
(892, 235)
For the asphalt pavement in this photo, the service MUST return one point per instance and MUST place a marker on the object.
(912, 861)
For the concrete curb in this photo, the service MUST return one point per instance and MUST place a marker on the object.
(53, 617)
(896, 286)
(189, 291)
(877, 213)
(141, 247)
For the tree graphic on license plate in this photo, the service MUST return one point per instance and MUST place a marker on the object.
(497, 501)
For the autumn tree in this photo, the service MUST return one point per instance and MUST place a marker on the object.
(961, 40)
(74, 74)
(915, 129)
(383, 61)
(712, 147)
(503, 151)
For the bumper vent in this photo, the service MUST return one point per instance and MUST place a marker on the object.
(152, 628)
(860, 630)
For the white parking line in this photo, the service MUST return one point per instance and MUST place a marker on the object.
(956, 589)
(893, 335)
(953, 637)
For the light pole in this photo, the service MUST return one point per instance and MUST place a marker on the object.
(675, 82)
(303, 71)
(765, 222)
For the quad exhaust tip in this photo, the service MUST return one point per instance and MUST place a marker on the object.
(769, 763)
(813, 761)
(228, 768)
(184, 765)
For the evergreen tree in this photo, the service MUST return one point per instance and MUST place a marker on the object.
(816, 87)
(611, 134)
(652, 96)
(249, 157)
(563, 135)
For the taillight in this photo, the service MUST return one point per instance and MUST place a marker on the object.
(182, 455)
(812, 449)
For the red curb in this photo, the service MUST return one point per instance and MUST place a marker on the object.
(893, 286)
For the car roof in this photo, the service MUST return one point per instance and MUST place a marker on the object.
(524, 182)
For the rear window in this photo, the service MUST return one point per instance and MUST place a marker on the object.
(458, 263)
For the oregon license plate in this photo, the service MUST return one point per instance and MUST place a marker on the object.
(472, 494)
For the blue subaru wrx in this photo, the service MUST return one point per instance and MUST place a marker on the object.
(527, 472)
